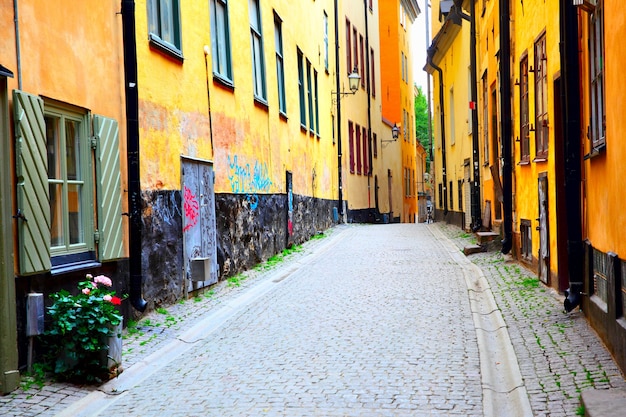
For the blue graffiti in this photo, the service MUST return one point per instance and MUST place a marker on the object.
(245, 179)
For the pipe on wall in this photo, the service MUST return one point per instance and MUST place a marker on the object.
(505, 126)
(443, 131)
(338, 89)
(132, 144)
(570, 102)
(475, 189)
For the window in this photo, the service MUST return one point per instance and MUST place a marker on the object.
(280, 65)
(220, 41)
(451, 197)
(373, 72)
(460, 194)
(527, 240)
(316, 104)
(355, 52)
(309, 84)
(596, 64)
(440, 195)
(452, 118)
(362, 69)
(348, 46)
(375, 145)
(358, 150)
(164, 25)
(485, 119)
(68, 155)
(524, 112)
(301, 90)
(57, 193)
(326, 41)
(365, 159)
(351, 145)
(402, 63)
(256, 40)
(541, 98)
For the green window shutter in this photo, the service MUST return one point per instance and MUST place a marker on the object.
(33, 194)
(111, 245)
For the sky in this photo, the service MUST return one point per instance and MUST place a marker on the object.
(419, 45)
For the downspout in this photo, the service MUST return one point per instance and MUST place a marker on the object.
(366, 73)
(338, 89)
(443, 134)
(475, 189)
(18, 53)
(505, 129)
(132, 147)
(570, 100)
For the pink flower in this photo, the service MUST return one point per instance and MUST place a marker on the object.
(86, 291)
(104, 280)
(107, 297)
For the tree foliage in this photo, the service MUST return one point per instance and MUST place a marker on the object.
(421, 121)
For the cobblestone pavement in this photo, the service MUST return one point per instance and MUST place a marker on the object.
(378, 324)
(559, 354)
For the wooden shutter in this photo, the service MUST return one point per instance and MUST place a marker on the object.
(33, 194)
(111, 245)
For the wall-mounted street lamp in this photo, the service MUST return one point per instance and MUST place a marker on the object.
(354, 80)
(395, 132)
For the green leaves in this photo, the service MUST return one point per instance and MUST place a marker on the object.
(79, 327)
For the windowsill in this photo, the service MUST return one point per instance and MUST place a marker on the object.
(600, 150)
(166, 48)
(283, 116)
(73, 267)
(540, 159)
(223, 82)
(261, 103)
(303, 128)
(522, 163)
(599, 303)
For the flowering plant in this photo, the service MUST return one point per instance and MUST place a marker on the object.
(79, 328)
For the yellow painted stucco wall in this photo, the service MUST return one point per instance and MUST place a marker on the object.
(242, 134)
(531, 21)
(604, 217)
(487, 44)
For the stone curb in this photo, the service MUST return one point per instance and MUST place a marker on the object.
(504, 393)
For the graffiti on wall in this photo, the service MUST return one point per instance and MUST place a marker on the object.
(248, 179)
(192, 209)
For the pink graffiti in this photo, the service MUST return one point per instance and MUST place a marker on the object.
(192, 209)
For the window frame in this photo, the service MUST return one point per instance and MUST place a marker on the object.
(86, 222)
(301, 92)
(280, 65)
(524, 111)
(221, 58)
(309, 91)
(171, 44)
(541, 98)
(597, 123)
(257, 52)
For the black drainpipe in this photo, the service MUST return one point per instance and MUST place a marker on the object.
(338, 94)
(505, 105)
(132, 146)
(443, 132)
(475, 189)
(570, 99)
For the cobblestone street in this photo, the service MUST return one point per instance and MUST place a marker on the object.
(368, 320)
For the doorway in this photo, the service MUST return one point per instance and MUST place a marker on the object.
(544, 238)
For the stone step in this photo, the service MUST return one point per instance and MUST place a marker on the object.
(604, 402)
(468, 250)
(484, 237)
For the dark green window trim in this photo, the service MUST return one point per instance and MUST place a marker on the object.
(164, 26)
(220, 42)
